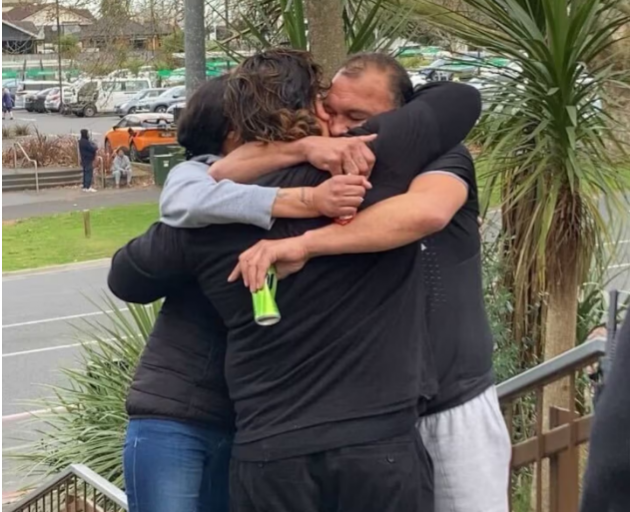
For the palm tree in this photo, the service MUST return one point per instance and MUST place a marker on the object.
(548, 146)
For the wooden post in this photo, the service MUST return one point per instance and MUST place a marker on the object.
(87, 223)
(564, 468)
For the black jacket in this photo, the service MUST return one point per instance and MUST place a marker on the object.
(607, 480)
(87, 150)
(170, 376)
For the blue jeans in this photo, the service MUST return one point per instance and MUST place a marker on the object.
(174, 466)
(88, 173)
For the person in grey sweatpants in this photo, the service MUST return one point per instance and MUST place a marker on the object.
(463, 428)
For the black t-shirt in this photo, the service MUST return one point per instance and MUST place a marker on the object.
(350, 351)
(457, 321)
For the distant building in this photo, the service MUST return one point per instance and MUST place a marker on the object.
(44, 17)
(20, 37)
(106, 33)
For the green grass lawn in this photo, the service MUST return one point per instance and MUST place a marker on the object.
(59, 239)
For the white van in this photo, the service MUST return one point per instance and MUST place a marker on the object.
(102, 96)
(33, 87)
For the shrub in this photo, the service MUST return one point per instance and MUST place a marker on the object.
(47, 151)
(87, 419)
(22, 130)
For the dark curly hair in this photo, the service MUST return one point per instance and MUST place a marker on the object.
(271, 96)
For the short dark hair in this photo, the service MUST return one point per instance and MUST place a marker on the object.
(399, 81)
(84, 133)
(271, 96)
(203, 125)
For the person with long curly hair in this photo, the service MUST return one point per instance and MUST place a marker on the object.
(327, 399)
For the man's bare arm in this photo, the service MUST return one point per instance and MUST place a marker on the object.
(252, 160)
(428, 207)
(335, 197)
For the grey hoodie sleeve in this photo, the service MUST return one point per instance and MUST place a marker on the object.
(193, 199)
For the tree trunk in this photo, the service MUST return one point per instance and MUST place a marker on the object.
(326, 34)
(561, 322)
(194, 44)
(560, 329)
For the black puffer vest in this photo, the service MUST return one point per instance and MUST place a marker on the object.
(180, 375)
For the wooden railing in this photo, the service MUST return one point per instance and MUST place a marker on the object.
(548, 459)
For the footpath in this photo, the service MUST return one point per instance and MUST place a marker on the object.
(22, 205)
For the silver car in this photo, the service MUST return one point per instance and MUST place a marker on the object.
(163, 101)
(131, 106)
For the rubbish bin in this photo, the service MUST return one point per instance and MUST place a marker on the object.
(161, 166)
(162, 149)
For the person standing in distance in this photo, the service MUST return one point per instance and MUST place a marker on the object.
(87, 151)
(7, 104)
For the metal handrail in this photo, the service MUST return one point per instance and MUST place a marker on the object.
(552, 369)
(575, 358)
(90, 477)
(17, 145)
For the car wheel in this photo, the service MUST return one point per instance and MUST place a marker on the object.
(160, 109)
(89, 111)
(134, 155)
(132, 110)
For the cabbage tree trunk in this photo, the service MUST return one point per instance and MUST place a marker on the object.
(326, 34)
(561, 324)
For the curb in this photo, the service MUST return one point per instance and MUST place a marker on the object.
(57, 268)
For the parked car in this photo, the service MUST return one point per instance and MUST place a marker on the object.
(176, 110)
(102, 96)
(136, 133)
(176, 106)
(35, 102)
(40, 100)
(32, 87)
(163, 101)
(53, 100)
(131, 106)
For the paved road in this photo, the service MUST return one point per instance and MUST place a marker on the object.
(38, 315)
(55, 124)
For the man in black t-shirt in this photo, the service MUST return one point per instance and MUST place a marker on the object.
(462, 427)
(327, 399)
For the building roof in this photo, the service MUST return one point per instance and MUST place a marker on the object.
(24, 26)
(121, 28)
(21, 12)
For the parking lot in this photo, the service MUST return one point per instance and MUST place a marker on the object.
(56, 124)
